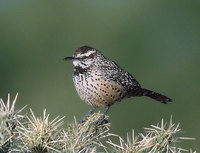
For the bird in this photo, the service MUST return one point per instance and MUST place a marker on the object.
(100, 82)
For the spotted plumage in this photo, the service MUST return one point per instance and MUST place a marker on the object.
(100, 82)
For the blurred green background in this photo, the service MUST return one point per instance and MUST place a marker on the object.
(156, 41)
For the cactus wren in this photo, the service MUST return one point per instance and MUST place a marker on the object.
(100, 82)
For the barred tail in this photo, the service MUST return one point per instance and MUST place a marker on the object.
(153, 95)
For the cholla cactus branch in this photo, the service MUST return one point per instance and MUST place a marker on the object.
(8, 118)
(39, 134)
(7, 111)
(81, 137)
(157, 139)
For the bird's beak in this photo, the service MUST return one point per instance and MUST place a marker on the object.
(69, 58)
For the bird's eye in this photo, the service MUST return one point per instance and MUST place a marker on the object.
(84, 57)
(91, 56)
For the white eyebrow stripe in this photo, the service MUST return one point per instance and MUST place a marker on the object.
(89, 53)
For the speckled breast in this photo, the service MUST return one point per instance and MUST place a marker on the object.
(97, 91)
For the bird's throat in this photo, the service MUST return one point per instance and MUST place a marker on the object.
(79, 70)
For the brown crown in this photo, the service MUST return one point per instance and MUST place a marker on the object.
(83, 50)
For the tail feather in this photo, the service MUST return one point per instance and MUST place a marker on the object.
(159, 97)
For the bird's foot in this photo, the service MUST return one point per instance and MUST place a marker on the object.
(101, 121)
(87, 115)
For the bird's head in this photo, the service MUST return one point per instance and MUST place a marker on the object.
(84, 57)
